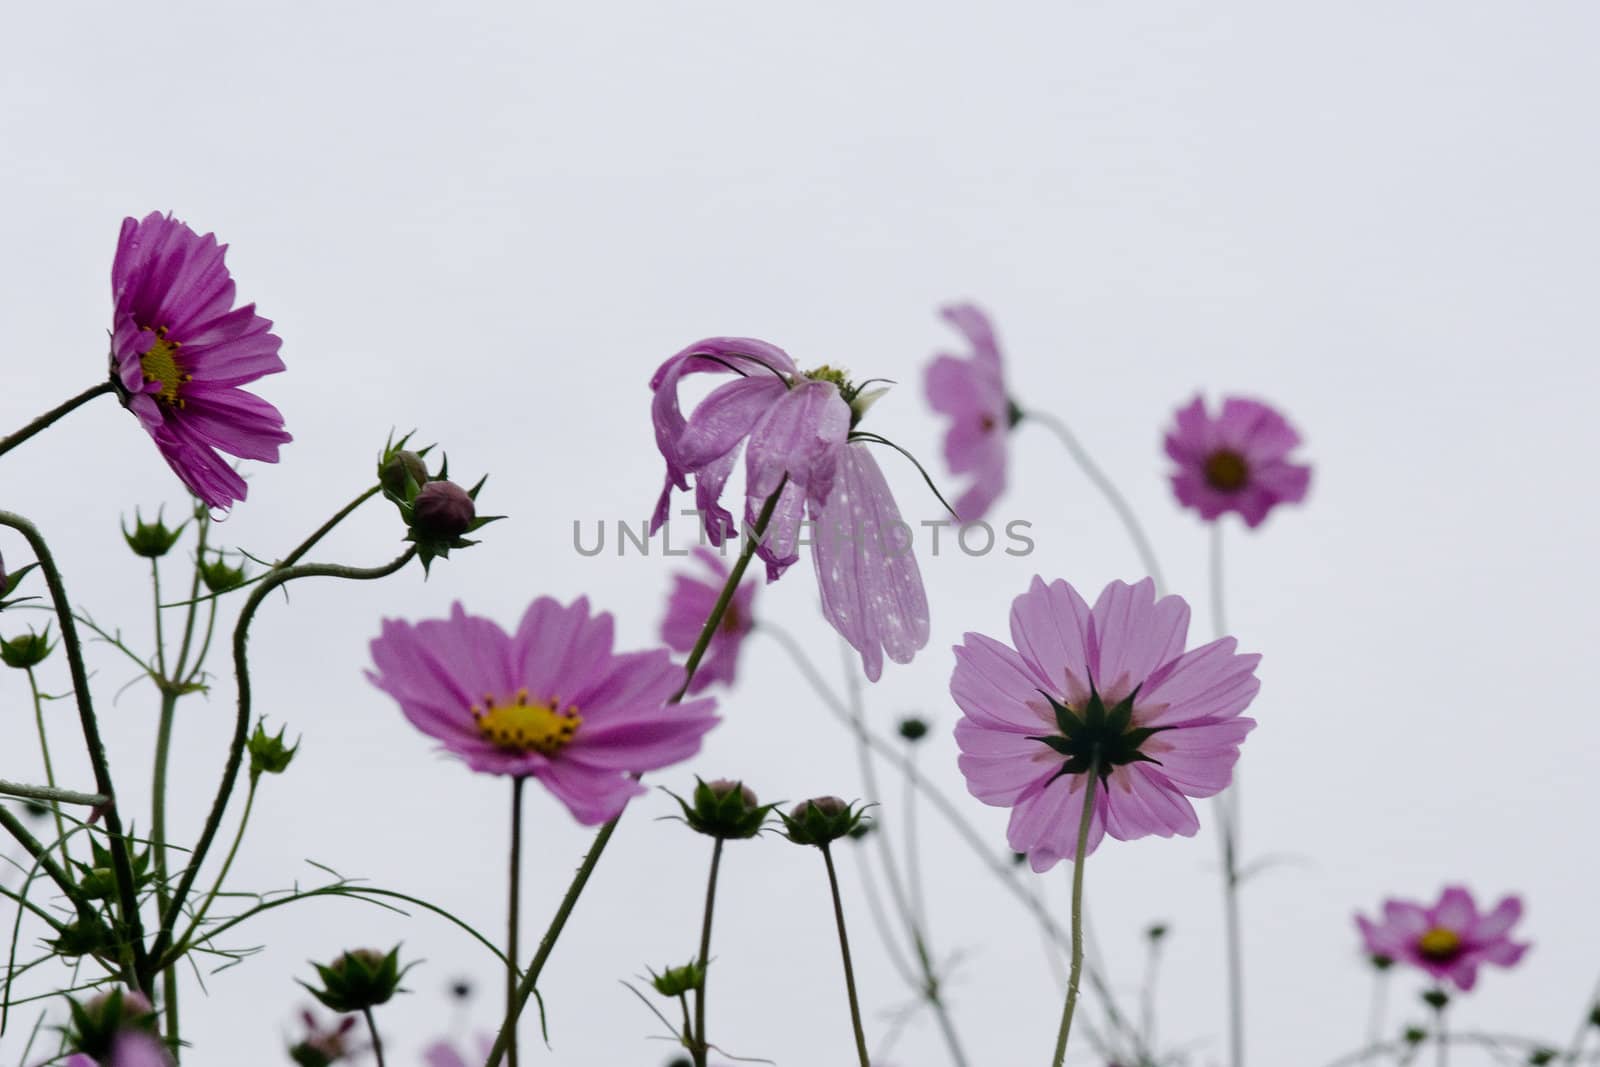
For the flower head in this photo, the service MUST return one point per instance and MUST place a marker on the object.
(1108, 690)
(180, 351)
(1449, 940)
(359, 979)
(803, 459)
(972, 392)
(1238, 461)
(323, 1045)
(822, 820)
(551, 700)
(690, 606)
(444, 1054)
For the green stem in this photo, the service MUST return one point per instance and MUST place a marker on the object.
(558, 922)
(377, 1042)
(51, 796)
(43, 421)
(121, 864)
(161, 644)
(49, 770)
(1108, 489)
(241, 724)
(41, 855)
(227, 864)
(158, 834)
(1227, 807)
(194, 599)
(1077, 908)
(512, 949)
(1441, 1041)
(322, 531)
(700, 1046)
(1585, 1024)
(844, 952)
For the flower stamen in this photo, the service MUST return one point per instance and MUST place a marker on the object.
(160, 364)
(1227, 471)
(1439, 945)
(524, 725)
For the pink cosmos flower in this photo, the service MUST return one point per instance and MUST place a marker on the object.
(1109, 687)
(180, 351)
(1449, 940)
(973, 393)
(690, 606)
(798, 432)
(444, 1054)
(133, 1048)
(551, 700)
(1238, 461)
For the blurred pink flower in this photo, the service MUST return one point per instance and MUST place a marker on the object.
(797, 431)
(551, 700)
(1449, 940)
(443, 1054)
(972, 392)
(1238, 461)
(690, 606)
(1111, 685)
(180, 351)
(133, 1048)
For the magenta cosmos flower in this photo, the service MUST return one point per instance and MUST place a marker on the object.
(798, 434)
(1238, 461)
(132, 1048)
(1449, 940)
(180, 351)
(551, 700)
(690, 606)
(972, 392)
(444, 1054)
(1110, 687)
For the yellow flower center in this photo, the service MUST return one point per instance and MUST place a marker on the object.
(1439, 944)
(1226, 471)
(527, 726)
(160, 364)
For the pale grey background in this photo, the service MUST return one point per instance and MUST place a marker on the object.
(492, 221)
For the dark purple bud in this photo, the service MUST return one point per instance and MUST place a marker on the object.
(443, 511)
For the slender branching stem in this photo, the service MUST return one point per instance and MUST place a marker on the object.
(51, 795)
(121, 863)
(1078, 859)
(41, 855)
(158, 829)
(1228, 838)
(558, 922)
(1586, 1022)
(844, 953)
(44, 421)
(372, 1028)
(49, 770)
(322, 531)
(513, 911)
(193, 605)
(227, 865)
(700, 1045)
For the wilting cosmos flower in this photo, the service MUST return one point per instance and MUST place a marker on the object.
(180, 351)
(798, 435)
(690, 606)
(1111, 688)
(1449, 940)
(1238, 461)
(551, 700)
(973, 393)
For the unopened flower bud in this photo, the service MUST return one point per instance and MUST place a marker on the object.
(268, 753)
(152, 540)
(359, 979)
(219, 577)
(1594, 1016)
(443, 511)
(1380, 962)
(676, 981)
(25, 650)
(1414, 1035)
(1436, 999)
(1541, 1056)
(820, 821)
(1156, 931)
(913, 728)
(400, 467)
(724, 809)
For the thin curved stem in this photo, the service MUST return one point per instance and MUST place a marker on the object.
(161, 644)
(844, 952)
(1228, 812)
(1585, 1024)
(49, 770)
(558, 922)
(1108, 489)
(241, 725)
(322, 531)
(1380, 1000)
(158, 827)
(372, 1028)
(194, 594)
(1079, 856)
(701, 1045)
(121, 863)
(513, 909)
(44, 421)
(51, 795)
(227, 864)
(41, 856)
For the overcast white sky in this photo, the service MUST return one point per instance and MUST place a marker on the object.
(491, 222)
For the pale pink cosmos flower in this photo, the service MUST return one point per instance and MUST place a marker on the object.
(180, 351)
(797, 432)
(443, 1054)
(132, 1048)
(690, 606)
(551, 700)
(972, 392)
(1235, 461)
(1449, 940)
(1109, 687)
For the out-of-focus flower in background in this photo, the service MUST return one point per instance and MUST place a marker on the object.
(1235, 461)
(1449, 940)
(972, 392)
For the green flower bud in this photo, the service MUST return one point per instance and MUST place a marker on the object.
(83, 937)
(820, 821)
(1380, 962)
(913, 728)
(268, 753)
(359, 979)
(1414, 1035)
(724, 809)
(1156, 931)
(219, 577)
(401, 473)
(1594, 1016)
(1540, 1056)
(99, 883)
(1436, 999)
(26, 650)
(152, 540)
(676, 981)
